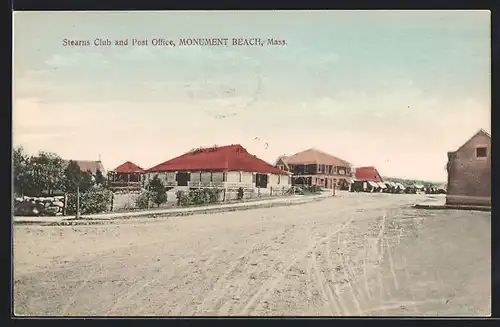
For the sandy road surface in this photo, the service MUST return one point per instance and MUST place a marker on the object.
(353, 254)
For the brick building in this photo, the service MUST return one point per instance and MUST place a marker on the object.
(469, 172)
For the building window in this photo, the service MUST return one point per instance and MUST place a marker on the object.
(481, 152)
(224, 177)
(279, 179)
(241, 176)
(253, 177)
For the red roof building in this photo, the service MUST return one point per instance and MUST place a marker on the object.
(368, 174)
(126, 176)
(128, 167)
(224, 158)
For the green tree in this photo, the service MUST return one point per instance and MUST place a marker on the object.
(158, 191)
(99, 178)
(87, 181)
(45, 173)
(20, 163)
(73, 176)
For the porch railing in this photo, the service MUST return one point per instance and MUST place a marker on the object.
(206, 184)
(124, 184)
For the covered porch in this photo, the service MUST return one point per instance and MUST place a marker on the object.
(323, 181)
(122, 180)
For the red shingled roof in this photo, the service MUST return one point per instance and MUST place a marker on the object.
(224, 158)
(369, 174)
(128, 167)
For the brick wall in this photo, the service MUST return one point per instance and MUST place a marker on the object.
(469, 178)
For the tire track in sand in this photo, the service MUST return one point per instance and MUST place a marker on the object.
(326, 292)
(377, 241)
(347, 279)
(270, 284)
(73, 297)
(240, 263)
(334, 298)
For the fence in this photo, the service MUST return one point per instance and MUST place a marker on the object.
(123, 201)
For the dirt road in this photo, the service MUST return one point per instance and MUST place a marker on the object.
(352, 254)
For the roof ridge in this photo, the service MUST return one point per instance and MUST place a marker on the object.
(483, 131)
(331, 155)
(470, 138)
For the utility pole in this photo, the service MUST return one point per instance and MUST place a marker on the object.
(78, 202)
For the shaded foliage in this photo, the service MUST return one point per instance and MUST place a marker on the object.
(198, 197)
(92, 201)
(75, 178)
(100, 179)
(158, 191)
(37, 175)
(314, 189)
(240, 193)
(142, 201)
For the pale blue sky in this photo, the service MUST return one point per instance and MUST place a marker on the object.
(392, 89)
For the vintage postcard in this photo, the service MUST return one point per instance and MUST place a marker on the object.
(251, 163)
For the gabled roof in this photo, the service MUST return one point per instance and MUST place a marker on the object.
(480, 132)
(128, 167)
(88, 165)
(283, 159)
(369, 174)
(315, 157)
(224, 158)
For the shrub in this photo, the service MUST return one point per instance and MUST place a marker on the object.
(198, 197)
(213, 195)
(181, 198)
(311, 189)
(240, 193)
(158, 191)
(142, 201)
(92, 201)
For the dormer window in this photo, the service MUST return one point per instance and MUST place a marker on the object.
(481, 152)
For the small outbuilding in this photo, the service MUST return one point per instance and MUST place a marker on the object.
(126, 176)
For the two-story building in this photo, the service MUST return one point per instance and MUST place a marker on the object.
(315, 167)
(469, 172)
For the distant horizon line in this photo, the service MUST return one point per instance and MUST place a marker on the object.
(279, 156)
